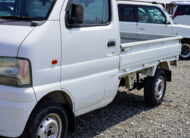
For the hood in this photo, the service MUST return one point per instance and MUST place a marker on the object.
(11, 37)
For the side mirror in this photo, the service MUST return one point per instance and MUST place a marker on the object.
(74, 15)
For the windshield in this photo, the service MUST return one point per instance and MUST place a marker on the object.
(26, 8)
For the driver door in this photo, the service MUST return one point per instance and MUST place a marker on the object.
(89, 58)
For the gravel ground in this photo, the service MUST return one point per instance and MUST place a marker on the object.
(127, 115)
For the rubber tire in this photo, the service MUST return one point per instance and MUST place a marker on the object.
(185, 42)
(149, 95)
(44, 108)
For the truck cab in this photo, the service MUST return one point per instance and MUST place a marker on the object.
(60, 59)
(51, 49)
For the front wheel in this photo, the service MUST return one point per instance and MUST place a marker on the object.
(155, 88)
(48, 120)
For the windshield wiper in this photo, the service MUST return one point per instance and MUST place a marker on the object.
(21, 18)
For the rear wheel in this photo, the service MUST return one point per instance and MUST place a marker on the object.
(185, 51)
(48, 120)
(155, 88)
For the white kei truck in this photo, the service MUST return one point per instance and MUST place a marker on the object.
(63, 58)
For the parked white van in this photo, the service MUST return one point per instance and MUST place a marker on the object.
(60, 59)
(148, 18)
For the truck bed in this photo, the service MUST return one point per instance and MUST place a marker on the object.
(140, 51)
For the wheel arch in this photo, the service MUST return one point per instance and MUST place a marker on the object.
(162, 65)
(185, 38)
(63, 98)
(60, 97)
(166, 67)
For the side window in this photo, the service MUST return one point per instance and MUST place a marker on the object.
(96, 12)
(183, 10)
(147, 14)
(127, 13)
(143, 15)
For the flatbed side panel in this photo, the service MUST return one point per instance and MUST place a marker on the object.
(139, 55)
(127, 37)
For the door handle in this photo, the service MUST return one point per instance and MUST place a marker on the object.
(111, 43)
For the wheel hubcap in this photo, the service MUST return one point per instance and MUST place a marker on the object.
(159, 87)
(185, 52)
(50, 127)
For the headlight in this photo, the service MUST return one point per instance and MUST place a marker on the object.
(15, 72)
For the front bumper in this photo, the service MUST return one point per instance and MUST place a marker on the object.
(16, 105)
